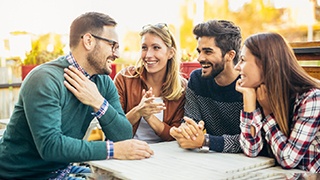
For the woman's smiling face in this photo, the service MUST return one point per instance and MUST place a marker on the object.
(154, 53)
(250, 72)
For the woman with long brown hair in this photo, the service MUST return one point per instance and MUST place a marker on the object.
(281, 104)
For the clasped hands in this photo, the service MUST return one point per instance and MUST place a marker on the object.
(147, 107)
(189, 134)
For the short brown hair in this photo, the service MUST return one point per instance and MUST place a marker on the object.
(92, 22)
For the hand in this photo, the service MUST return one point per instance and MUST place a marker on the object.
(249, 97)
(132, 149)
(262, 98)
(84, 89)
(147, 107)
(244, 90)
(189, 143)
(188, 130)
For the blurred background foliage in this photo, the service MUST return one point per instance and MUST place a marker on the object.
(253, 17)
(44, 49)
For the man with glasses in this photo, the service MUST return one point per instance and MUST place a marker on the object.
(57, 102)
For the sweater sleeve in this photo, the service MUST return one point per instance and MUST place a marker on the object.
(250, 145)
(114, 123)
(42, 94)
(175, 114)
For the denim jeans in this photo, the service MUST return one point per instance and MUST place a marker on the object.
(78, 170)
(71, 173)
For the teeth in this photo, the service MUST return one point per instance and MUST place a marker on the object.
(151, 62)
(205, 66)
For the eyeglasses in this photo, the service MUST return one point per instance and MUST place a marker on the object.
(159, 26)
(113, 43)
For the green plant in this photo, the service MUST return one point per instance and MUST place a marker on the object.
(188, 56)
(39, 57)
(39, 53)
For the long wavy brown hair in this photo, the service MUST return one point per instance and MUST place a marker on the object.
(283, 76)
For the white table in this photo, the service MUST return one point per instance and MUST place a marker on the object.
(277, 173)
(172, 162)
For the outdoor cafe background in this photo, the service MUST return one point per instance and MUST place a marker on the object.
(42, 27)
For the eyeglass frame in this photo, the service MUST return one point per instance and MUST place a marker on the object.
(111, 42)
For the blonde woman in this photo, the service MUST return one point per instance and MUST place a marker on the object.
(152, 93)
(287, 116)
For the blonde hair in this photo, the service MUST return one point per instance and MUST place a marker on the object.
(174, 84)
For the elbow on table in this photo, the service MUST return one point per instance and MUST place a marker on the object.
(249, 153)
(288, 164)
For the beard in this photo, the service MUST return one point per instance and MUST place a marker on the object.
(95, 62)
(216, 69)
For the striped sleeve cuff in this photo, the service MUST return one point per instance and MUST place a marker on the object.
(109, 149)
(102, 110)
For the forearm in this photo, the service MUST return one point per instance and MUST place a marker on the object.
(60, 148)
(249, 105)
(115, 125)
(251, 145)
(133, 116)
(249, 102)
(157, 125)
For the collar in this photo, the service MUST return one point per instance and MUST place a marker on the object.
(74, 63)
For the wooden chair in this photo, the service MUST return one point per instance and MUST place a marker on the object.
(94, 132)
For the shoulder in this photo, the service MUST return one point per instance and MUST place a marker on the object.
(128, 72)
(53, 70)
(309, 99)
(313, 95)
(184, 82)
(127, 77)
(196, 74)
(195, 79)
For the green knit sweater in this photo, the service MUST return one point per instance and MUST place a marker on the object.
(48, 123)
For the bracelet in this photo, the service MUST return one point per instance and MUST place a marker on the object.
(206, 144)
(206, 141)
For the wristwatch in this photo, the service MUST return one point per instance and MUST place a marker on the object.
(206, 144)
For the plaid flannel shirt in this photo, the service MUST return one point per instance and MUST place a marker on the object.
(302, 148)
